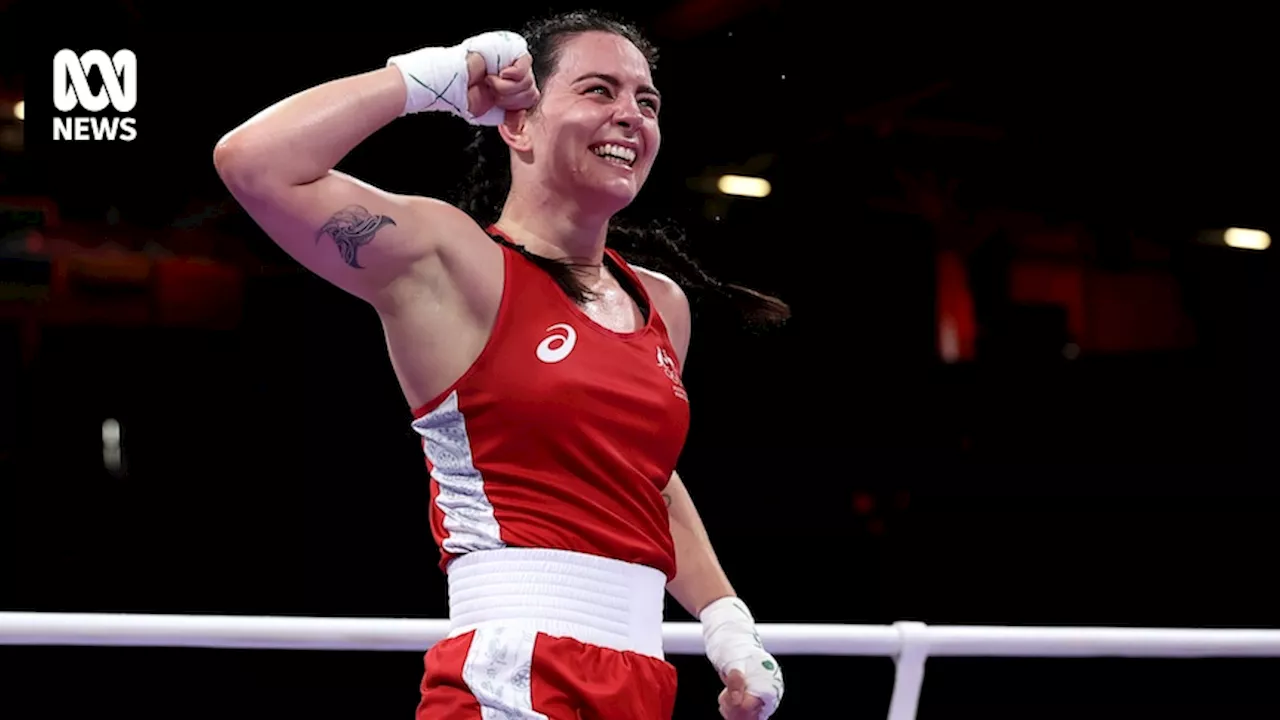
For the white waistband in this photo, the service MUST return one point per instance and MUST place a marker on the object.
(594, 600)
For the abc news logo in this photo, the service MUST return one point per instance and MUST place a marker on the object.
(71, 90)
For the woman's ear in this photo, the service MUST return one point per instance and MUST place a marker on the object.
(515, 130)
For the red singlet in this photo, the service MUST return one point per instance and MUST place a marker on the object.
(562, 434)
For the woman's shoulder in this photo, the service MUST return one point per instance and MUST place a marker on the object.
(672, 305)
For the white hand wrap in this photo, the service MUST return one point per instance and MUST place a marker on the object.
(729, 633)
(436, 78)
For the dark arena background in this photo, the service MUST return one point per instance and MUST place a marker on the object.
(1031, 377)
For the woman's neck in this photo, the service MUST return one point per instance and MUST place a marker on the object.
(557, 230)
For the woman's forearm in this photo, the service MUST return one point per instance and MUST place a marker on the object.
(301, 138)
(699, 578)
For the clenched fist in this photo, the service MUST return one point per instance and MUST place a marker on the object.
(513, 88)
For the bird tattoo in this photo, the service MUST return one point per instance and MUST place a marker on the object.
(352, 228)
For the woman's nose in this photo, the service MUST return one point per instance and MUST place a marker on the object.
(627, 112)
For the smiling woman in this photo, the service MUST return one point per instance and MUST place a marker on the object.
(542, 367)
(658, 246)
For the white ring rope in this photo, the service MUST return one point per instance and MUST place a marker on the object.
(910, 644)
(412, 635)
(417, 635)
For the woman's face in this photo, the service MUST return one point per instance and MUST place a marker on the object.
(595, 131)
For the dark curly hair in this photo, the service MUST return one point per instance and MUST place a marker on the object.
(658, 245)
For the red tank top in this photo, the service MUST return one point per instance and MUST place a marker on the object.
(562, 434)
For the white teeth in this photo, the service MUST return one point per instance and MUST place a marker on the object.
(616, 151)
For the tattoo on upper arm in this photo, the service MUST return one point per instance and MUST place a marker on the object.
(352, 228)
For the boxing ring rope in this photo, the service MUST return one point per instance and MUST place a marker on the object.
(908, 643)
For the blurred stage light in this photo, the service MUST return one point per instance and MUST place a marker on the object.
(743, 186)
(20, 109)
(1247, 239)
(112, 454)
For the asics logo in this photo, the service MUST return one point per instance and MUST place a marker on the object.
(558, 345)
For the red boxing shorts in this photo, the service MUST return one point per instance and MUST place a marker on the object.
(550, 635)
(506, 673)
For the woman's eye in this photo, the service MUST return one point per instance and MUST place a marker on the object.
(650, 103)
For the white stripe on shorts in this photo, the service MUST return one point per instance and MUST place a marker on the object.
(498, 669)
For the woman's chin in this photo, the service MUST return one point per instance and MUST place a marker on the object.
(611, 196)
